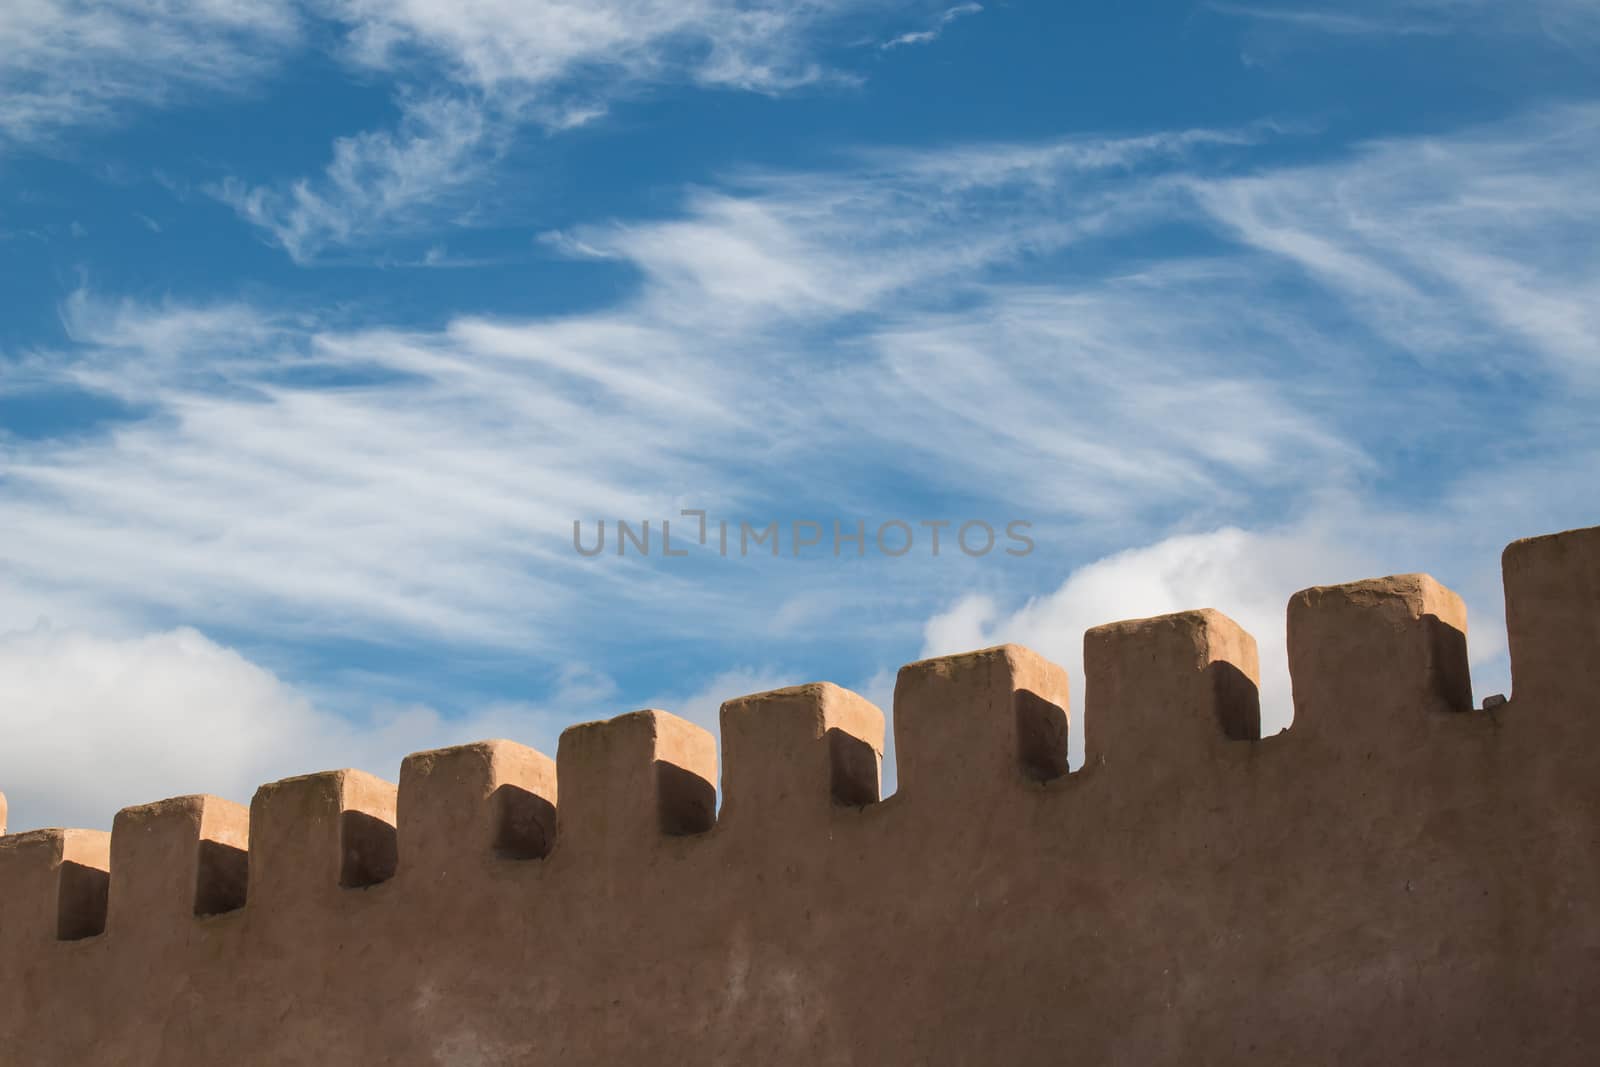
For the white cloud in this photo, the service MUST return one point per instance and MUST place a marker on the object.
(130, 349)
(854, 342)
(1338, 22)
(775, 245)
(934, 32)
(410, 484)
(425, 482)
(1450, 247)
(1108, 406)
(64, 63)
(96, 722)
(380, 181)
(1561, 21)
(490, 69)
(496, 68)
(1248, 575)
(522, 48)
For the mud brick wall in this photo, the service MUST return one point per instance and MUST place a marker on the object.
(1397, 879)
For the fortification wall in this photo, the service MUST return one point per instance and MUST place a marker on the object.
(1396, 879)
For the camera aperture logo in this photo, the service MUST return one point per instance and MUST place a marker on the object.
(798, 538)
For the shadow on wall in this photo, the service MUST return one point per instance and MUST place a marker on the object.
(1449, 667)
(688, 802)
(81, 897)
(525, 823)
(370, 852)
(1238, 701)
(1042, 729)
(224, 875)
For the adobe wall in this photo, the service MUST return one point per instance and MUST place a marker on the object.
(1397, 879)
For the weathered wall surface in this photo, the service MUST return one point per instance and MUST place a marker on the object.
(1396, 879)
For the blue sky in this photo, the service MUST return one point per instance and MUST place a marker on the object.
(321, 321)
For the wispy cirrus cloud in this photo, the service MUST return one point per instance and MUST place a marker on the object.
(1556, 19)
(603, 48)
(467, 78)
(774, 244)
(1467, 266)
(66, 63)
(1288, 383)
(1449, 246)
(378, 181)
(69, 63)
(297, 452)
(497, 69)
(934, 32)
(1394, 20)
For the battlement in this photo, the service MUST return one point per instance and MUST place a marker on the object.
(1398, 877)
